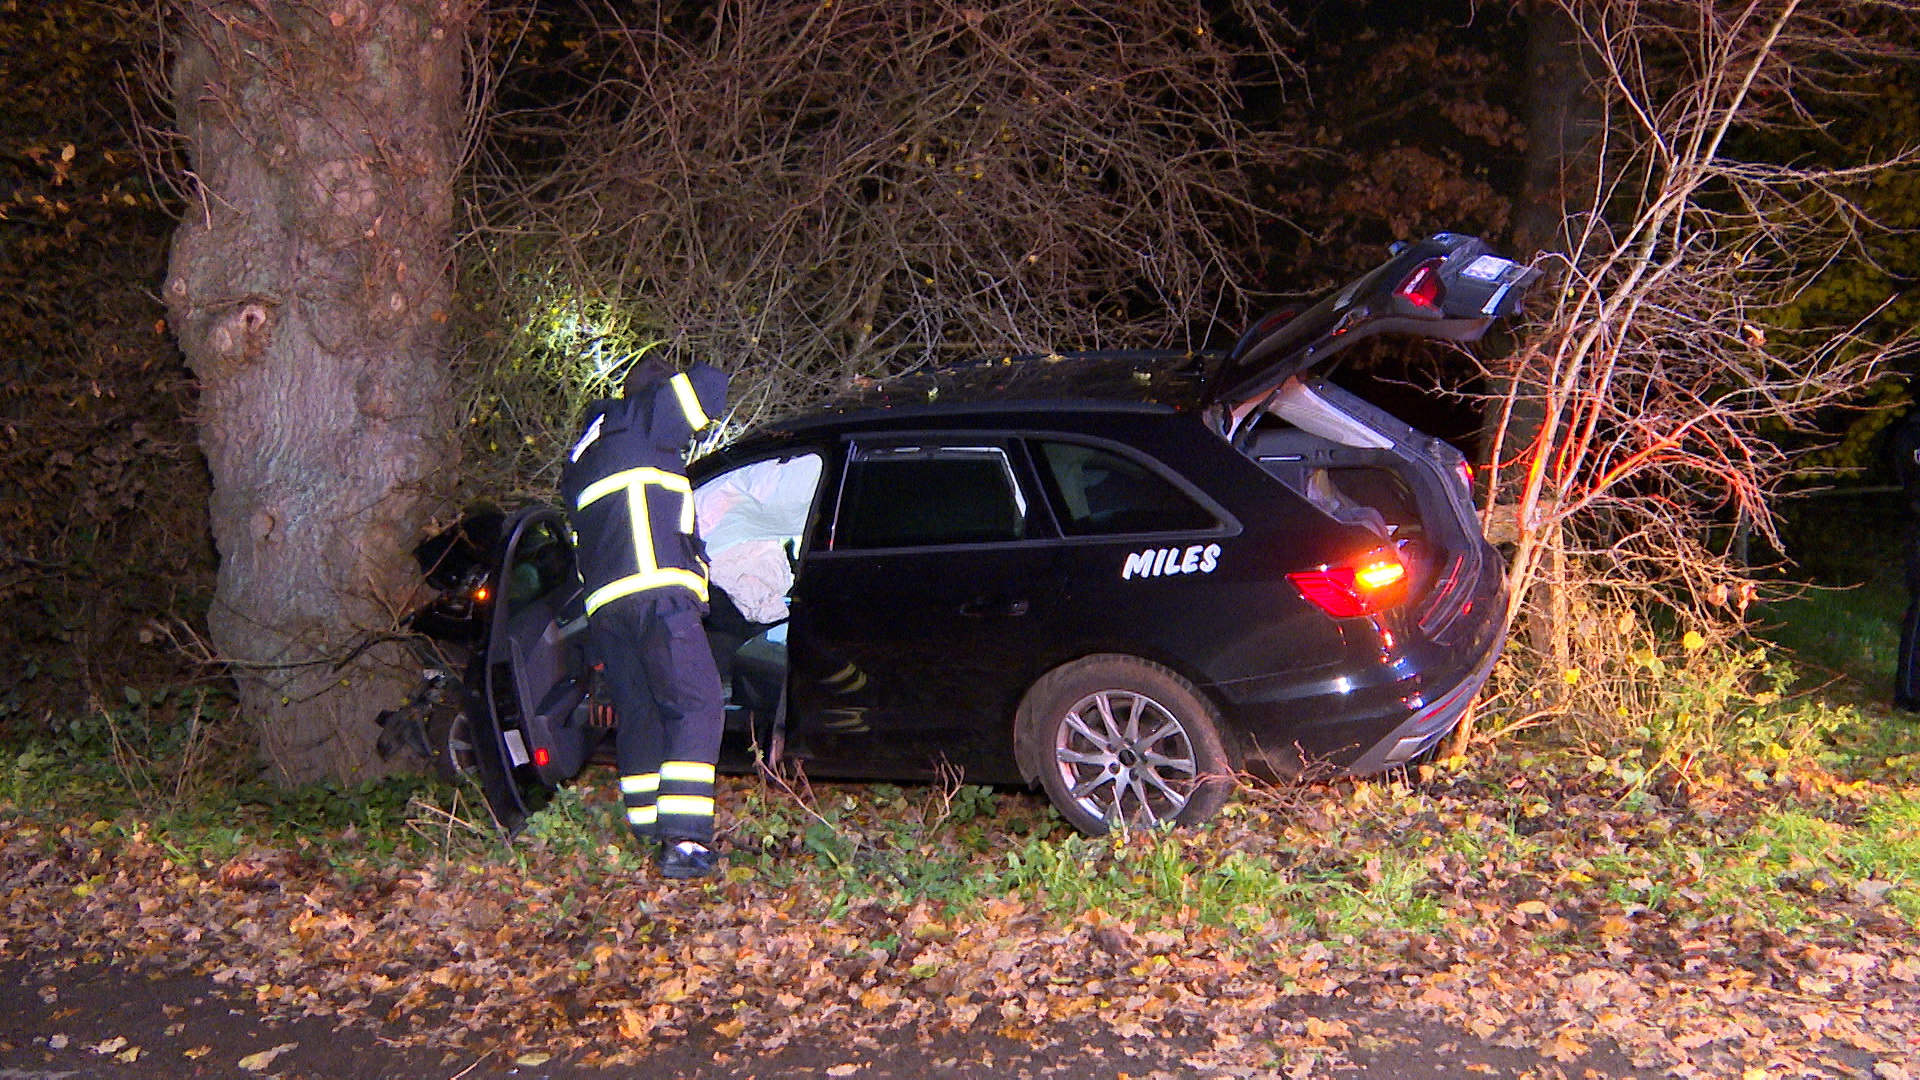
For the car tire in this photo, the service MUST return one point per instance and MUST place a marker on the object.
(450, 735)
(1114, 738)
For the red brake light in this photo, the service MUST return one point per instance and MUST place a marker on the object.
(1361, 588)
(541, 756)
(1422, 287)
(480, 594)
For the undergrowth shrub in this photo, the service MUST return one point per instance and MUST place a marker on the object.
(1678, 374)
(1659, 694)
(160, 750)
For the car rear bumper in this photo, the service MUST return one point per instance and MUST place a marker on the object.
(1356, 720)
(1425, 728)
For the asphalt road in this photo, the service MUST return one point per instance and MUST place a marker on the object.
(84, 1021)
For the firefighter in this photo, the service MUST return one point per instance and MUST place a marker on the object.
(1906, 464)
(631, 507)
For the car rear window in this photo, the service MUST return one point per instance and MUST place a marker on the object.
(917, 496)
(1101, 493)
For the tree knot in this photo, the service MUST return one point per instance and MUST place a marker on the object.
(242, 333)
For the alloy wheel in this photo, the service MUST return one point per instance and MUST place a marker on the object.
(1125, 757)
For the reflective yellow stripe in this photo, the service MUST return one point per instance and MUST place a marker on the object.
(642, 815)
(686, 805)
(626, 478)
(847, 680)
(652, 579)
(650, 574)
(689, 401)
(694, 772)
(639, 785)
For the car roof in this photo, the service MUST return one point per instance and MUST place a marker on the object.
(1112, 381)
(987, 394)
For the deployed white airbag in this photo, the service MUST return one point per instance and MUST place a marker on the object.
(747, 517)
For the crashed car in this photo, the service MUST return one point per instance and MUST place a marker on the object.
(1122, 577)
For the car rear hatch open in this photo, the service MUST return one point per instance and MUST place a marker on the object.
(1357, 463)
(1450, 287)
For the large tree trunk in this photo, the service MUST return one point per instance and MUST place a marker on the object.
(309, 288)
(1563, 121)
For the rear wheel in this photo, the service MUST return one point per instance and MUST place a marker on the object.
(1117, 739)
(449, 730)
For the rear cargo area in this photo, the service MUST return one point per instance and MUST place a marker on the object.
(1362, 466)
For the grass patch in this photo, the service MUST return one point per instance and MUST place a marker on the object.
(1852, 632)
(1775, 832)
(1801, 861)
(1794, 838)
(1847, 549)
(1155, 877)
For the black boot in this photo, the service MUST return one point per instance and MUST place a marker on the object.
(682, 859)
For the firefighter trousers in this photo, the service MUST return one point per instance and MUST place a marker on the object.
(1906, 674)
(653, 651)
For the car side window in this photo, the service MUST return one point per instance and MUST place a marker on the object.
(1101, 493)
(920, 495)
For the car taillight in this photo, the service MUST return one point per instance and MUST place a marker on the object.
(1422, 287)
(480, 594)
(541, 757)
(1373, 584)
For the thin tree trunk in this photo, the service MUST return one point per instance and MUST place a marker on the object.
(309, 288)
(1563, 122)
(1563, 117)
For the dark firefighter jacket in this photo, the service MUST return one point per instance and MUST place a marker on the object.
(626, 489)
(1906, 461)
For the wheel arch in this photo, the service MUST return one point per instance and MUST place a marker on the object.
(1024, 719)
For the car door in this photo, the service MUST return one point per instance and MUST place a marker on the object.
(1155, 566)
(529, 714)
(919, 609)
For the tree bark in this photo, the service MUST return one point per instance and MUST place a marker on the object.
(1563, 118)
(309, 287)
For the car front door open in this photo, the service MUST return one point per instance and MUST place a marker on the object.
(530, 724)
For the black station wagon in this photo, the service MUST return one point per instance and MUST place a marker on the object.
(1123, 577)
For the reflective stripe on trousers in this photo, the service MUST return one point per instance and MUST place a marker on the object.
(637, 793)
(685, 800)
(659, 669)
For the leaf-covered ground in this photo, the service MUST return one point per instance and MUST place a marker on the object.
(1757, 925)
